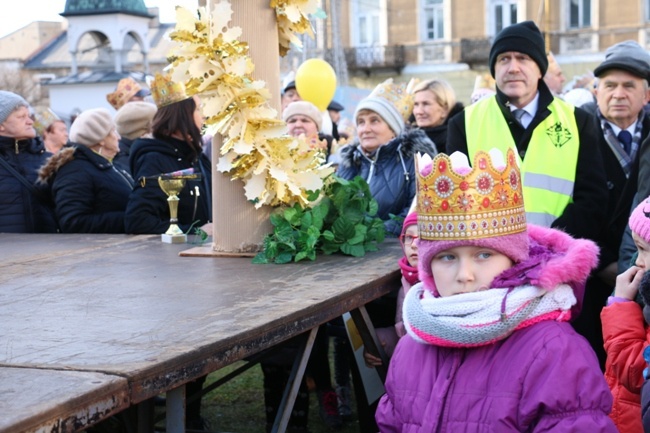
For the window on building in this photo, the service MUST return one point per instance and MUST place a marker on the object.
(503, 14)
(434, 22)
(368, 31)
(579, 13)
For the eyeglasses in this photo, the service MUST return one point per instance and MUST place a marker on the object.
(408, 239)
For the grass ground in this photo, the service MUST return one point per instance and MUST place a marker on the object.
(238, 405)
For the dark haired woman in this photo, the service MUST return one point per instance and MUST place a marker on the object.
(176, 145)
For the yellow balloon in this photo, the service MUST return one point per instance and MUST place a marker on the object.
(316, 82)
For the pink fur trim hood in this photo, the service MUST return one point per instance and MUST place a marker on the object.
(554, 258)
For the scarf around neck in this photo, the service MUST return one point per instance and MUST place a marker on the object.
(481, 318)
(409, 273)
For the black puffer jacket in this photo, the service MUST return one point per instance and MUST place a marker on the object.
(148, 211)
(390, 173)
(24, 210)
(90, 194)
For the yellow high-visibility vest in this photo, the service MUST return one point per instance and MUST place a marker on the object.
(549, 168)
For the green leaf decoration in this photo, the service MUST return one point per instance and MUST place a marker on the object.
(341, 220)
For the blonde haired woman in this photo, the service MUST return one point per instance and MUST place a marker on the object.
(434, 103)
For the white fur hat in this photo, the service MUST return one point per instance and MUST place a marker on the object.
(305, 108)
(133, 120)
(91, 126)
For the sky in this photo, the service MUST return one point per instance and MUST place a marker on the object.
(14, 18)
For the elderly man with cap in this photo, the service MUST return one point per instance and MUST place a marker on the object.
(563, 176)
(289, 95)
(642, 158)
(24, 206)
(621, 94)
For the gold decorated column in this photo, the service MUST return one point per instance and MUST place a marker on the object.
(239, 228)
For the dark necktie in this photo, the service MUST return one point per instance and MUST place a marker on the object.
(625, 138)
(519, 114)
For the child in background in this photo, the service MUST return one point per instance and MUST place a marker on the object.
(409, 266)
(489, 346)
(625, 332)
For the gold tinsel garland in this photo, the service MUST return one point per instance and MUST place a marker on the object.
(211, 61)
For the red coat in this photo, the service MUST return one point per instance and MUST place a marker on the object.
(625, 336)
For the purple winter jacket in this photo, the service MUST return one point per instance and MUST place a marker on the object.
(543, 378)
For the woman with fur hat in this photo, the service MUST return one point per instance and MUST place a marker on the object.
(384, 152)
(90, 194)
(303, 118)
(625, 327)
(489, 347)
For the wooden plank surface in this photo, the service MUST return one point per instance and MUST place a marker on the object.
(130, 306)
(57, 401)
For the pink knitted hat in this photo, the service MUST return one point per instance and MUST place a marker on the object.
(640, 220)
(458, 206)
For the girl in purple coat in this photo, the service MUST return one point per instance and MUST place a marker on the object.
(489, 347)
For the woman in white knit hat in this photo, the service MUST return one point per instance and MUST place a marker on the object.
(384, 152)
(90, 194)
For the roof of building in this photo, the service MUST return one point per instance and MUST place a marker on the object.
(56, 53)
(97, 7)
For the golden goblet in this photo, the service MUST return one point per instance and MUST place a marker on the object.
(172, 187)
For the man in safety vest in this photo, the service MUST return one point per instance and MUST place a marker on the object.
(621, 94)
(562, 168)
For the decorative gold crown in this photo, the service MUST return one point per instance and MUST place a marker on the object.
(126, 89)
(165, 91)
(43, 118)
(482, 202)
(397, 94)
(484, 81)
(552, 63)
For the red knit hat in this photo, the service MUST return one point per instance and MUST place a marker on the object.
(640, 220)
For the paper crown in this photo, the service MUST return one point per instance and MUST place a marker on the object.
(399, 95)
(126, 89)
(552, 63)
(484, 81)
(165, 91)
(455, 203)
(43, 117)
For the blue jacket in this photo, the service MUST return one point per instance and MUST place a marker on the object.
(21, 210)
(148, 211)
(90, 194)
(390, 173)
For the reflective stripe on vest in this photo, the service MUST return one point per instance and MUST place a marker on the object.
(549, 168)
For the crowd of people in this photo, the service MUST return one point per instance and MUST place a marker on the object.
(532, 318)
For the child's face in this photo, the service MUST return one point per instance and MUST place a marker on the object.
(643, 259)
(467, 269)
(410, 241)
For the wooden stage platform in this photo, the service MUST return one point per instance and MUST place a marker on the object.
(93, 324)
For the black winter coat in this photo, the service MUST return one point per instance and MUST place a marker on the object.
(390, 173)
(148, 211)
(586, 216)
(90, 194)
(23, 210)
(121, 160)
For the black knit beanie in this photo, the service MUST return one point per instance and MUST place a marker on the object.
(523, 37)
